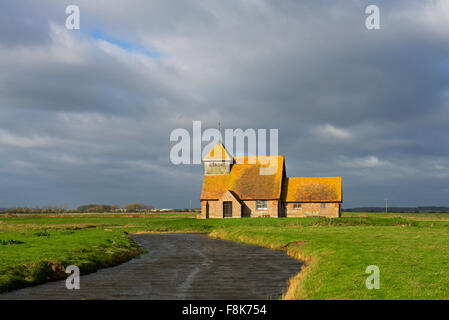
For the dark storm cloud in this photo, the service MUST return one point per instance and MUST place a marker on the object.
(86, 119)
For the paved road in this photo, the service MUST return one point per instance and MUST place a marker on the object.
(181, 266)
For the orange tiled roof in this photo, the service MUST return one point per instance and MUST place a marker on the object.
(218, 152)
(245, 180)
(316, 189)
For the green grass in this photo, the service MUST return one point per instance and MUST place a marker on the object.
(411, 250)
(414, 216)
(31, 256)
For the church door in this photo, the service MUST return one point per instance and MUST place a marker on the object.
(227, 209)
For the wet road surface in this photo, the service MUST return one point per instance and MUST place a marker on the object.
(181, 266)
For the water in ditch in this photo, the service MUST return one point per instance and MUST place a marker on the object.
(181, 266)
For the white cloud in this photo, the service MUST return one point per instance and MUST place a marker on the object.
(366, 162)
(35, 141)
(439, 170)
(435, 15)
(330, 131)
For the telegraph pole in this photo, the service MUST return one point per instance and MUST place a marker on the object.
(386, 205)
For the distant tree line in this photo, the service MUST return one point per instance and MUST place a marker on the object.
(132, 207)
(429, 209)
(36, 209)
(187, 210)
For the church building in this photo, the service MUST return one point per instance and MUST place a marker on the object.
(233, 187)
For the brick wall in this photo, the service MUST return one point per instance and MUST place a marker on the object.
(332, 209)
(214, 211)
(204, 207)
(250, 209)
(216, 207)
(212, 206)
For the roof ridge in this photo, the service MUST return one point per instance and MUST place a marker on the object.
(218, 152)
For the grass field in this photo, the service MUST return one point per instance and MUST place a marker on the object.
(411, 250)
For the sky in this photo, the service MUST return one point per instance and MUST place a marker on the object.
(86, 115)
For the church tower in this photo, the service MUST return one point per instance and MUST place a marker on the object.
(218, 161)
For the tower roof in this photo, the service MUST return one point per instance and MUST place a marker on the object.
(246, 181)
(218, 153)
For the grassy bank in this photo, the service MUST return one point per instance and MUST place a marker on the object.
(30, 256)
(412, 252)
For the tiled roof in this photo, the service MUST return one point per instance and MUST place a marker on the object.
(246, 181)
(316, 189)
(217, 153)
